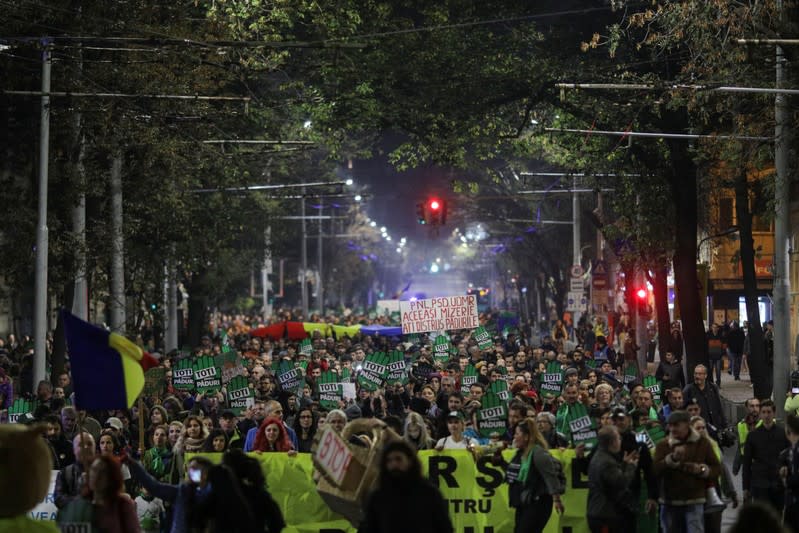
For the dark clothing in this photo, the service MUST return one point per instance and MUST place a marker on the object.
(671, 375)
(610, 493)
(533, 518)
(709, 402)
(644, 468)
(406, 505)
(178, 495)
(761, 459)
(735, 340)
(68, 485)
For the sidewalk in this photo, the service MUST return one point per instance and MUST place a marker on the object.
(734, 394)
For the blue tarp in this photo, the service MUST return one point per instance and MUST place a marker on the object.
(382, 331)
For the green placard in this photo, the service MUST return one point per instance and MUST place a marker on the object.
(373, 371)
(482, 338)
(654, 386)
(207, 376)
(290, 377)
(239, 394)
(226, 347)
(414, 338)
(306, 348)
(500, 388)
(183, 374)
(21, 407)
(329, 389)
(492, 418)
(581, 426)
(469, 378)
(630, 373)
(397, 370)
(552, 380)
(346, 375)
(442, 349)
(651, 436)
(154, 380)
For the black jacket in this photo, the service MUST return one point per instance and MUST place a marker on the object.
(761, 460)
(407, 505)
(609, 486)
(629, 444)
(709, 402)
(68, 485)
(671, 375)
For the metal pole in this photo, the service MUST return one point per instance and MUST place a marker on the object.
(117, 306)
(320, 295)
(40, 298)
(657, 135)
(80, 298)
(304, 258)
(265, 271)
(576, 259)
(782, 234)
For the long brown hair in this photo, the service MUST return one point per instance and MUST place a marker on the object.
(530, 428)
(115, 483)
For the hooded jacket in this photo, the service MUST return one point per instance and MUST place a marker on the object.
(677, 485)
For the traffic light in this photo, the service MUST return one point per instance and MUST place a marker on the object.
(642, 302)
(420, 214)
(436, 211)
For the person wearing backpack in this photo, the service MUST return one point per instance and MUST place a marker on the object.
(535, 479)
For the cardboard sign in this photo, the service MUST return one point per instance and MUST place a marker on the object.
(482, 338)
(333, 456)
(207, 376)
(329, 389)
(435, 314)
(441, 349)
(183, 375)
(239, 395)
(373, 371)
(154, 381)
(397, 371)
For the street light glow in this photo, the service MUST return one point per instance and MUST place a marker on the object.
(349, 182)
(358, 197)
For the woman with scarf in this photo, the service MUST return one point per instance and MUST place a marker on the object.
(191, 440)
(157, 461)
(534, 484)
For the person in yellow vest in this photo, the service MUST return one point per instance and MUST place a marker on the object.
(792, 402)
(749, 422)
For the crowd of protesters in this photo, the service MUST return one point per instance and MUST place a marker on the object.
(102, 461)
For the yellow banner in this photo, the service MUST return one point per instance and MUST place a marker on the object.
(476, 492)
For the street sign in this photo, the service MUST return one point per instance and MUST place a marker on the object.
(576, 271)
(576, 285)
(599, 276)
(576, 301)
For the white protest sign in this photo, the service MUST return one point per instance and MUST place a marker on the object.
(386, 307)
(333, 456)
(46, 509)
(436, 314)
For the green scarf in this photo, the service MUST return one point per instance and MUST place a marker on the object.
(157, 467)
(524, 470)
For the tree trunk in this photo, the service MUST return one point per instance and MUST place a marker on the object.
(660, 291)
(684, 190)
(758, 368)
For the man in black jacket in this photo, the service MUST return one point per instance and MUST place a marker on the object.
(611, 500)
(404, 500)
(735, 349)
(644, 470)
(707, 397)
(761, 460)
(71, 479)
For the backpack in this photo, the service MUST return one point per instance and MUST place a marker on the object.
(557, 467)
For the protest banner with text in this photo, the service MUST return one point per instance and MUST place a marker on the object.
(438, 314)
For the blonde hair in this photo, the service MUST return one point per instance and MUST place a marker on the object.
(424, 439)
(530, 428)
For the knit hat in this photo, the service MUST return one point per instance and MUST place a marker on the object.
(353, 412)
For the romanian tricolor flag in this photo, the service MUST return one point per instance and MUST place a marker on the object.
(107, 369)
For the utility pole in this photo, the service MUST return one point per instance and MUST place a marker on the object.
(117, 305)
(266, 284)
(576, 255)
(80, 298)
(304, 258)
(320, 294)
(782, 230)
(40, 298)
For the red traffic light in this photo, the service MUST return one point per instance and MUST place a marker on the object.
(435, 204)
(641, 294)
